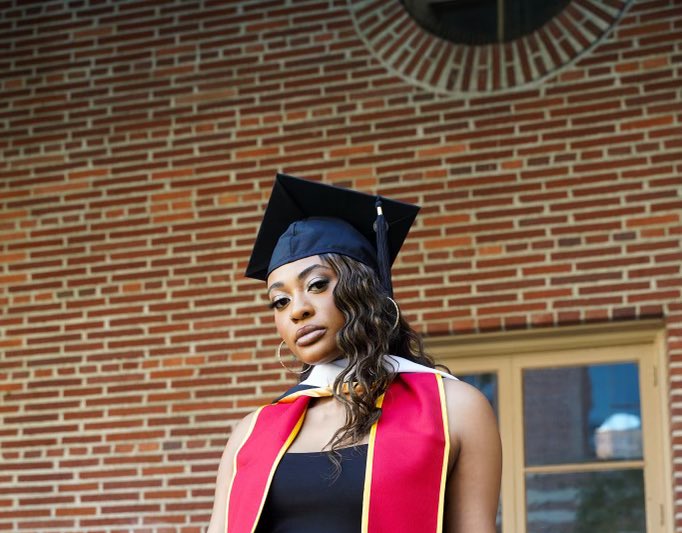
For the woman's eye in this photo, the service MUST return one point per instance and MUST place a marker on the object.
(319, 285)
(279, 303)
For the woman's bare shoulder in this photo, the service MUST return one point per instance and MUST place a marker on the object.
(469, 411)
(242, 427)
(461, 395)
(475, 459)
(225, 470)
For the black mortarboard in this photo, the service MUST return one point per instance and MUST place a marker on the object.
(305, 218)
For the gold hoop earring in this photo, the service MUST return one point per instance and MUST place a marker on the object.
(397, 314)
(279, 358)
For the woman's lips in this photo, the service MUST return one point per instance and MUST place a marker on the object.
(308, 335)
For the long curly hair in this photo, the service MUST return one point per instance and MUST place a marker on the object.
(368, 334)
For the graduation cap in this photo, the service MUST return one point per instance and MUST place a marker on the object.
(305, 218)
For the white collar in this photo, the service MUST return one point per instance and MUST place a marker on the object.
(323, 375)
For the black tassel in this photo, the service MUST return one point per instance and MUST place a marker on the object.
(383, 257)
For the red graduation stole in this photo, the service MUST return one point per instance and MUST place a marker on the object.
(406, 467)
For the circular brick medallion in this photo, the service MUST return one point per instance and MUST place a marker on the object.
(420, 57)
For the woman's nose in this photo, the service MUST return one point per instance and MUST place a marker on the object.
(300, 308)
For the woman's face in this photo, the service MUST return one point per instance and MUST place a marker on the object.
(302, 297)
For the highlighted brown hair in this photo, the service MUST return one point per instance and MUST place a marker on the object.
(368, 334)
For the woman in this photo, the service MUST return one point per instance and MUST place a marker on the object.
(374, 439)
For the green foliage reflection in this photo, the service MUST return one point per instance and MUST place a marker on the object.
(612, 503)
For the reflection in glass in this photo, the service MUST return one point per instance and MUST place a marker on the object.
(588, 502)
(582, 413)
(486, 382)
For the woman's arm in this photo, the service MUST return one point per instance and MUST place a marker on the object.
(217, 523)
(475, 469)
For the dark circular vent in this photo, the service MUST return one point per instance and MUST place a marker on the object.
(554, 35)
(480, 22)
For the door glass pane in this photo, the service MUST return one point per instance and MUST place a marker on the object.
(588, 502)
(580, 414)
(486, 382)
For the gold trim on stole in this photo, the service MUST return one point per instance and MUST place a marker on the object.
(367, 489)
(446, 453)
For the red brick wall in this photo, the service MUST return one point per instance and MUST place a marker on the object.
(139, 141)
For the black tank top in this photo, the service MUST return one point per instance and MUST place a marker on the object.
(305, 498)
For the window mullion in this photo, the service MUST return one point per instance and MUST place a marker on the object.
(583, 467)
(518, 444)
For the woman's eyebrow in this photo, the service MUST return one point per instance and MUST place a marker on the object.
(302, 274)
